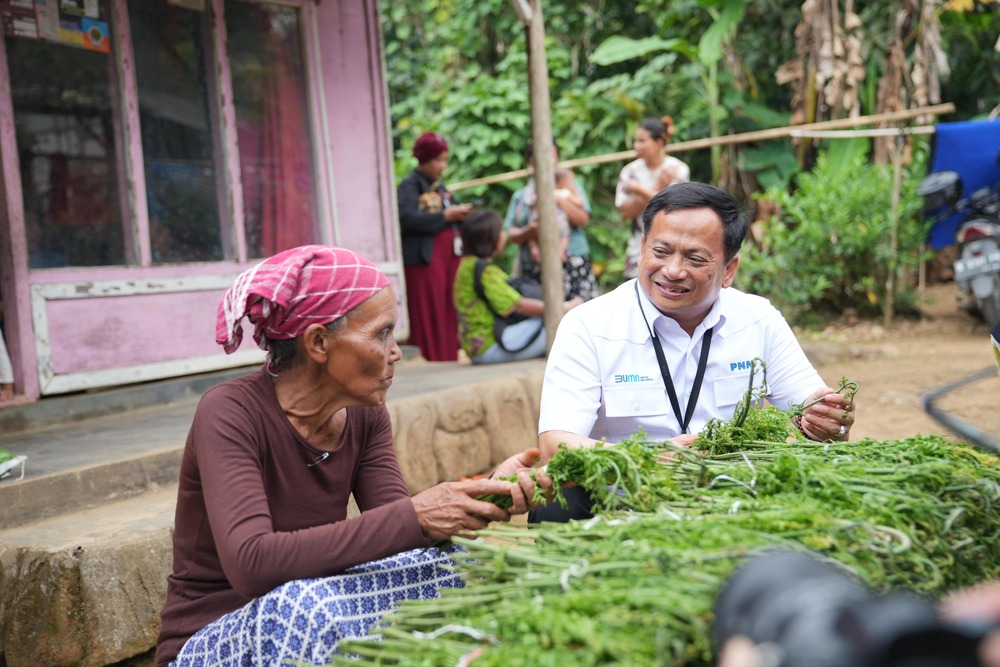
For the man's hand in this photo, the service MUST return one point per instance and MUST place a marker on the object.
(451, 508)
(522, 465)
(682, 440)
(521, 235)
(830, 418)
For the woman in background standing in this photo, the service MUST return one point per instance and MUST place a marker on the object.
(644, 177)
(429, 220)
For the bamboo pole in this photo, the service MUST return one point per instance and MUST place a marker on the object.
(544, 160)
(852, 134)
(743, 137)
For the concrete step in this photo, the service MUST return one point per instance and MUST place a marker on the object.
(109, 523)
(76, 465)
(86, 588)
(55, 410)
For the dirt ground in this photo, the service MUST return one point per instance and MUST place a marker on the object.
(896, 367)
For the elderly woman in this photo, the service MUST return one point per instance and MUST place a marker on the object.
(429, 220)
(269, 465)
(644, 177)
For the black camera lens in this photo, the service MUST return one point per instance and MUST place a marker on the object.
(811, 613)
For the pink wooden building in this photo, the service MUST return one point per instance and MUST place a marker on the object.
(154, 149)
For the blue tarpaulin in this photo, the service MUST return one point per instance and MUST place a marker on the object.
(970, 148)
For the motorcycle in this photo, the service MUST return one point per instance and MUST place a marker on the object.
(977, 268)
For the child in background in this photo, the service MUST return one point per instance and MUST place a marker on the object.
(478, 308)
(565, 190)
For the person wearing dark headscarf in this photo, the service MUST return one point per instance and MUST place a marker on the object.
(429, 221)
(267, 567)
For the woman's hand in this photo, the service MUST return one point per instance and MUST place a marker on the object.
(457, 213)
(521, 465)
(452, 508)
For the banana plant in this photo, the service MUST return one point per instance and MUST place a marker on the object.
(706, 55)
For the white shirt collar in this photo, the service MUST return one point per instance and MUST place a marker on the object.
(713, 319)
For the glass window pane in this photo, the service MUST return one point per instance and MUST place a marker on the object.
(178, 143)
(272, 121)
(62, 99)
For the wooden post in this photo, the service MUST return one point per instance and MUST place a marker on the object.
(544, 159)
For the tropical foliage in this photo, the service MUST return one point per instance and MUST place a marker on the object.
(829, 248)
(718, 67)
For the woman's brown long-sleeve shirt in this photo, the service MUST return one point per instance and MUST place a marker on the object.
(252, 514)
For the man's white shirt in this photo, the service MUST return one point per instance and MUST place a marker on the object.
(602, 378)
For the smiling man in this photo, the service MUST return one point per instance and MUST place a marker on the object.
(672, 349)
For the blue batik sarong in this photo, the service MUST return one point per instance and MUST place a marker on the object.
(301, 622)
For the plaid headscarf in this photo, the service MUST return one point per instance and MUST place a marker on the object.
(284, 294)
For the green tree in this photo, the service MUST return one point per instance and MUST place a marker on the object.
(459, 67)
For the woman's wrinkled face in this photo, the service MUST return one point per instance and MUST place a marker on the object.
(363, 351)
(434, 168)
(645, 145)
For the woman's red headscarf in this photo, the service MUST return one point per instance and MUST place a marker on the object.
(429, 146)
(284, 294)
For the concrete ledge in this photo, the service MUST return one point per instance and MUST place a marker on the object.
(76, 407)
(86, 588)
(52, 495)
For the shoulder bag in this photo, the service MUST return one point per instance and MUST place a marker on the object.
(527, 288)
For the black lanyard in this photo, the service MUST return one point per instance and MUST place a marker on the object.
(699, 377)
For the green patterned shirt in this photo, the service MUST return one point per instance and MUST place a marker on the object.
(475, 320)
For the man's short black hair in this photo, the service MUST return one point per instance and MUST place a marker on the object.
(681, 196)
(480, 232)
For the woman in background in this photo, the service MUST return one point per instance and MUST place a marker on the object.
(429, 221)
(644, 177)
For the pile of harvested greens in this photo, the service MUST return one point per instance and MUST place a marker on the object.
(636, 585)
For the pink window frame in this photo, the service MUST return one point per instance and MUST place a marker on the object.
(223, 114)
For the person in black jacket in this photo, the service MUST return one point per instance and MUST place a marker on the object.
(429, 220)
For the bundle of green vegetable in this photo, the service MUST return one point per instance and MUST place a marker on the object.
(636, 586)
(622, 472)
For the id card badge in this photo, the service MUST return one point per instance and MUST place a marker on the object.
(457, 245)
